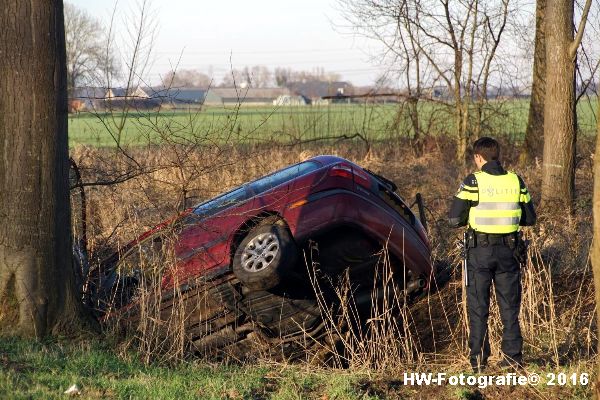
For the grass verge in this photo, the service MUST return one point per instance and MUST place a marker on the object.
(45, 370)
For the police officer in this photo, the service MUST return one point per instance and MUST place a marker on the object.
(493, 202)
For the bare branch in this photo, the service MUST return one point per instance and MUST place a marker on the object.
(577, 41)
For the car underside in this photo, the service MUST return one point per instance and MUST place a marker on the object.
(224, 318)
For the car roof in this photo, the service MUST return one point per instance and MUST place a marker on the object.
(327, 159)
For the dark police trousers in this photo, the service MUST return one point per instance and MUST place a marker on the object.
(494, 262)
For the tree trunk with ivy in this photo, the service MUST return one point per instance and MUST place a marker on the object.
(37, 282)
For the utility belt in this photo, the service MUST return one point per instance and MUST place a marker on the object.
(513, 240)
(480, 239)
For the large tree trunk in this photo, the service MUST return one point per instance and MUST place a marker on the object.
(534, 134)
(596, 241)
(558, 174)
(560, 123)
(36, 275)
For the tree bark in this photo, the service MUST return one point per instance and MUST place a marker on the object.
(596, 241)
(560, 124)
(534, 133)
(36, 274)
(558, 175)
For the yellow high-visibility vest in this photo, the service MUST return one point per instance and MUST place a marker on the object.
(498, 209)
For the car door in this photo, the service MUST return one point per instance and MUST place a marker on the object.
(203, 240)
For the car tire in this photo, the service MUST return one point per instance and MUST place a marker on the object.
(264, 257)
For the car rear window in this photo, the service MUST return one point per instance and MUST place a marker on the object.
(279, 177)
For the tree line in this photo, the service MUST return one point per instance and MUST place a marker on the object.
(93, 60)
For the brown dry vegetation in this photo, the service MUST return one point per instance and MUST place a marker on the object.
(558, 305)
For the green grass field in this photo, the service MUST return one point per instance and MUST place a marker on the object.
(33, 370)
(289, 124)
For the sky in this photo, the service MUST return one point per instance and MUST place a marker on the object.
(208, 34)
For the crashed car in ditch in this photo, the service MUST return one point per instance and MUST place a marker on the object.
(261, 260)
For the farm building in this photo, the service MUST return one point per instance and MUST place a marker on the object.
(302, 93)
(85, 98)
(290, 100)
(182, 97)
(101, 99)
(246, 96)
(126, 93)
(317, 90)
(129, 98)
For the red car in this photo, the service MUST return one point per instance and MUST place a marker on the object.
(248, 247)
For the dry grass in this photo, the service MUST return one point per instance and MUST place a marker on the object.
(557, 315)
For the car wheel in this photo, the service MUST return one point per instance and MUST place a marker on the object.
(264, 256)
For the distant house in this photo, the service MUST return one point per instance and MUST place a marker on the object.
(316, 91)
(186, 95)
(132, 98)
(85, 98)
(126, 93)
(196, 97)
(290, 100)
(439, 92)
(178, 97)
(147, 98)
(246, 96)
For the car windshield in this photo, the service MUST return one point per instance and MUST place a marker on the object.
(275, 179)
(225, 200)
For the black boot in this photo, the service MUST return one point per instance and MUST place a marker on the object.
(478, 366)
(509, 363)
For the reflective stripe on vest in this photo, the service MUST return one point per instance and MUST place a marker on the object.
(499, 206)
(499, 209)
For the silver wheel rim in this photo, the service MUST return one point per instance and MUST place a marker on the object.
(260, 252)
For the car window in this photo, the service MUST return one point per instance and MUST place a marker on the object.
(398, 205)
(234, 197)
(279, 177)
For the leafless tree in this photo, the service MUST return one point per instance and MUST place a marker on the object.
(187, 147)
(138, 42)
(88, 62)
(188, 78)
(257, 76)
(442, 48)
(236, 77)
(35, 251)
(282, 76)
(261, 76)
(318, 74)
